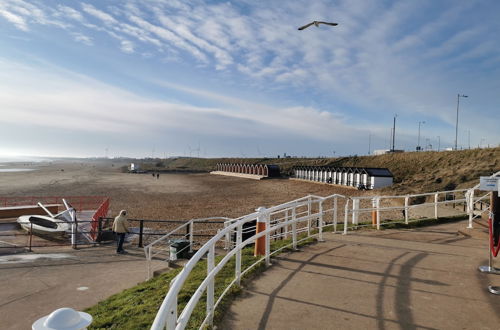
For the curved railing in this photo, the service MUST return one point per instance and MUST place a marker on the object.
(298, 216)
(309, 215)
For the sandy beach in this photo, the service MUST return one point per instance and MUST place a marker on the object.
(172, 196)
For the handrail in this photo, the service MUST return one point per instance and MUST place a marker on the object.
(167, 313)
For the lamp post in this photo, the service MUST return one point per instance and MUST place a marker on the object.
(394, 133)
(456, 126)
(418, 144)
(439, 143)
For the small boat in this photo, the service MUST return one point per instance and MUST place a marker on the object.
(43, 225)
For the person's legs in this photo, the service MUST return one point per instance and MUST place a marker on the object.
(121, 239)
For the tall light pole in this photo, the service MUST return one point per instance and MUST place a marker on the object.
(394, 133)
(439, 143)
(418, 144)
(456, 126)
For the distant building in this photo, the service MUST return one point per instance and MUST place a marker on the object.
(386, 151)
(134, 167)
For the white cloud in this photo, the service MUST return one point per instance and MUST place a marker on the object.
(71, 13)
(59, 99)
(127, 46)
(17, 20)
(104, 17)
(83, 38)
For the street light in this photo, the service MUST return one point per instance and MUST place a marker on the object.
(394, 133)
(456, 127)
(418, 144)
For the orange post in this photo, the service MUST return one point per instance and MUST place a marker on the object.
(260, 243)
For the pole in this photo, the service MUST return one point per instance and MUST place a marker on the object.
(418, 145)
(439, 143)
(394, 132)
(141, 232)
(456, 126)
(468, 137)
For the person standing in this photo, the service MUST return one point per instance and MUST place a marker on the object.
(120, 227)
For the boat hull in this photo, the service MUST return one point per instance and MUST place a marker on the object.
(43, 225)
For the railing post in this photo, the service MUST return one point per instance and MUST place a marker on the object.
(377, 204)
(239, 235)
(320, 218)
(268, 239)
(31, 237)
(294, 228)
(172, 314)
(227, 243)
(309, 211)
(73, 228)
(335, 214)
(355, 207)
(286, 221)
(470, 204)
(407, 198)
(211, 285)
(346, 216)
(191, 236)
(141, 232)
(99, 229)
(148, 258)
(436, 199)
(260, 243)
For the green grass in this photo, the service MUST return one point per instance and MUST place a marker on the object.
(136, 308)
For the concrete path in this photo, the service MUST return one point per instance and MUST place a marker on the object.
(393, 279)
(35, 284)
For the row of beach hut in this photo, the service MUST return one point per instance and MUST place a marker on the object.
(359, 177)
(254, 169)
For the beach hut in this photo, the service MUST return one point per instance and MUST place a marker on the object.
(379, 178)
(357, 177)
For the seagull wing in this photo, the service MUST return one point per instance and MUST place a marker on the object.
(306, 26)
(328, 23)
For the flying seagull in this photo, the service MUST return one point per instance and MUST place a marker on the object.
(317, 23)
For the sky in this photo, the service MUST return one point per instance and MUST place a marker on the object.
(164, 78)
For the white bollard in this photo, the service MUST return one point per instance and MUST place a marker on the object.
(63, 319)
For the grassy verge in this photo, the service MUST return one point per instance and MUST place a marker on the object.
(136, 308)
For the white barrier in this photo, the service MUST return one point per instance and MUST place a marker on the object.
(289, 219)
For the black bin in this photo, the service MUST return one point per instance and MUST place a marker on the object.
(181, 247)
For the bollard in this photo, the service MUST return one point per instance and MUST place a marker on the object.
(63, 318)
(260, 243)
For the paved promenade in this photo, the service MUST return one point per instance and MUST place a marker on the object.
(424, 278)
(35, 284)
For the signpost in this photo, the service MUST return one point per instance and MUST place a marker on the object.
(487, 183)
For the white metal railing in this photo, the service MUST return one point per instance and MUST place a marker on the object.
(162, 244)
(302, 215)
